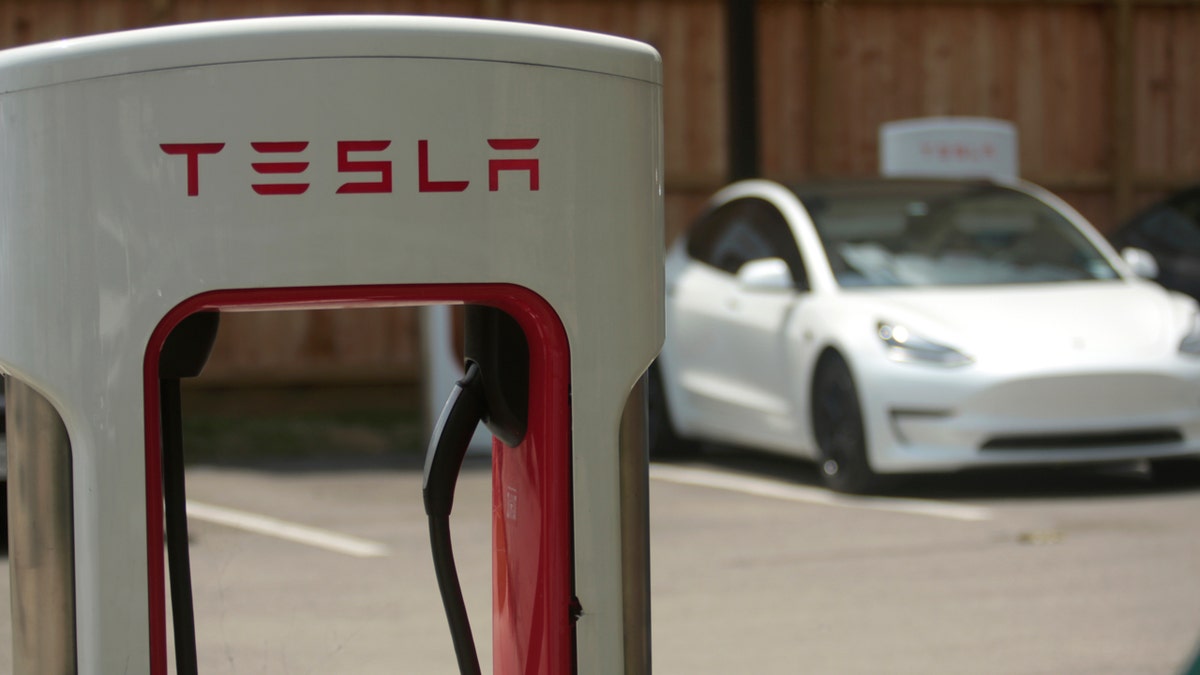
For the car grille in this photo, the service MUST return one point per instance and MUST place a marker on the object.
(1114, 439)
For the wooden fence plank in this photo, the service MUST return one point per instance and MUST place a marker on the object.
(1166, 91)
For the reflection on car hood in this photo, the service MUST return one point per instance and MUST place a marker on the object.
(1067, 318)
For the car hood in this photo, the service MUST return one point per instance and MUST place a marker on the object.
(1097, 318)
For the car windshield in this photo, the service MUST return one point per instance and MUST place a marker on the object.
(918, 234)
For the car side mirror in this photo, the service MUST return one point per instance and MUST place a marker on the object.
(766, 274)
(1141, 261)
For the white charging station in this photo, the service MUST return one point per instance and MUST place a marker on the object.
(949, 147)
(327, 162)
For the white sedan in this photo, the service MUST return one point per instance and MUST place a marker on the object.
(891, 326)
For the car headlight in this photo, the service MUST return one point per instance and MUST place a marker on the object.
(1190, 344)
(903, 345)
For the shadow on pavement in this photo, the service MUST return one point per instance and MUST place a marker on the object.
(1081, 481)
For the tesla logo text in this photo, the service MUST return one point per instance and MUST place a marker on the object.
(281, 166)
(951, 151)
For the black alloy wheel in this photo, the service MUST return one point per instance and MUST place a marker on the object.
(838, 427)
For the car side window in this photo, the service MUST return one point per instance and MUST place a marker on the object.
(744, 230)
(724, 238)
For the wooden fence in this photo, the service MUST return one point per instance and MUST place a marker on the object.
(1105, 95)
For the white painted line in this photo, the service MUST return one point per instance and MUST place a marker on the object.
(763, 487)
(281, 529)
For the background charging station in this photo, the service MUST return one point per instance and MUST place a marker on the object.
(327, 162)
(950, 147)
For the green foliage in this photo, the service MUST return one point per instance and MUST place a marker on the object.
(242, 429)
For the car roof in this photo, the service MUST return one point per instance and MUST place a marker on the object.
(883, 187)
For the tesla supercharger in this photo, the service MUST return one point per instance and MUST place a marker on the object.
(151, 177)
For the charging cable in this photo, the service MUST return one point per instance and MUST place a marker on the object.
(443, 462)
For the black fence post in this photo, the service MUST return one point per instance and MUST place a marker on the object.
(740, 16)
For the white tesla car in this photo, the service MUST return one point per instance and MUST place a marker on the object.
(891, 326)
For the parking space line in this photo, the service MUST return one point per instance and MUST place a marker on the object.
(763, 487)
(281, 529)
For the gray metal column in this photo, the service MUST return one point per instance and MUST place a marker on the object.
(41, 535)
(635, 531)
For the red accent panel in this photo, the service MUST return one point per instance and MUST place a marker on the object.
(532, 563)
(383, 168)
(423, 182)
(532, 631)
(192, 151)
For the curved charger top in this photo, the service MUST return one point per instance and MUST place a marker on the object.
(276, 38)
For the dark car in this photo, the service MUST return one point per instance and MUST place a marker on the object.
(1170, 231)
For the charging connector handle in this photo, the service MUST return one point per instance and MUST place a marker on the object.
(443, 462)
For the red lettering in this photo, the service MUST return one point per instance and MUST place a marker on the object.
(423, 182)
(345, 165)
(192, 151)
(495, 166)
(283, 167)
(276, 168)
(959, 151)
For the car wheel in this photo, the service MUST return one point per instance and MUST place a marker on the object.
(838, 429)
(663, 440)
(1179, 471)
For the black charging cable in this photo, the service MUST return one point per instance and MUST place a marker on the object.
(443, 461)
(184, 353)
(175, 502)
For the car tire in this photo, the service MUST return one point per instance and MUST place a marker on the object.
(662, 439)
(837, 425)
(1183, 471)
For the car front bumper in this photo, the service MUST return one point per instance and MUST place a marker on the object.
(925, 418)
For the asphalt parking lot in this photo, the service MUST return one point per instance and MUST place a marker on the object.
(323, 567)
